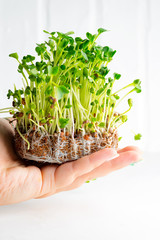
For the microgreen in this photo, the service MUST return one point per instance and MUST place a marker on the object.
(67, 86)
(137, 136)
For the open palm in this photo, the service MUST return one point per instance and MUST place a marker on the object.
(19, 183)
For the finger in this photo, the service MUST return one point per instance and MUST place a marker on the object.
(68, 172)
(122, 161)
(129, 148)
(48, 181)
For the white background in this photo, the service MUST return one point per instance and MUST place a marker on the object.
(124, 205)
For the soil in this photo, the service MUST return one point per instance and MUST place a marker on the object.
(61, 147)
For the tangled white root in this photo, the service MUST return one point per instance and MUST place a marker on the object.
(59, 149)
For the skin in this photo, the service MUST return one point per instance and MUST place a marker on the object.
(20, 183)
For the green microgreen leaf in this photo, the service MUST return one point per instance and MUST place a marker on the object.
(102, 125)
(34, 71)
(61, 90)
(69, 33)
(49, 90)
(119, 139)
(33, 106)
(32, 78)
(53, 70)
(130, 102)
(90, 36)
(63, 67)
(90, 125)
(68, 106)
(85, 72)
(34, 92)
(116, 96)
(124, 118)
(117, 76)
(27, 90)
(84, 55)
(9, 94)
(101, 30)
(110, 80)
(93, 119)
(92, 90)
(46, 31)
(14, 55)
(104, 71)
(63, 122)
(137, 82)
(28, 58)
(108, 92)
(137, 136)
(138, 90)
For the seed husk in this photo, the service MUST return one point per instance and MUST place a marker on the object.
(29, 116)
(23, 101)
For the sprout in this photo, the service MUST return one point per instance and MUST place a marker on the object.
(67, 86)
(130, 102)
(137, 136)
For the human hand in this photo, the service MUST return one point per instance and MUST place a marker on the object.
(20, 183)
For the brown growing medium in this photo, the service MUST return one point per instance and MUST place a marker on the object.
(62, 147)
